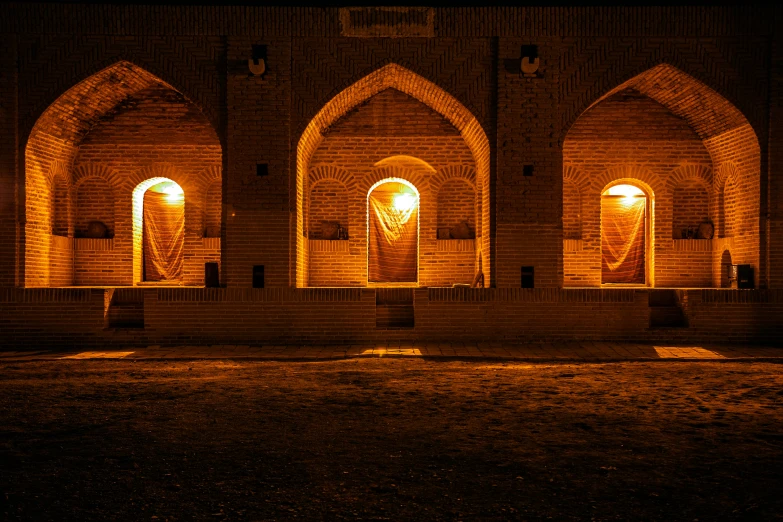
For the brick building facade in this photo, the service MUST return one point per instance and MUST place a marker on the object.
(99, 103)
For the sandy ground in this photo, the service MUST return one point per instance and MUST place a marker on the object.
(390, 439)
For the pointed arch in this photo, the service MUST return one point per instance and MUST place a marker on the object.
(410, 83)
(690, 133)
(683, 94)
(65, 128)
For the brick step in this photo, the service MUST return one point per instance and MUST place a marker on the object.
(665, 297)
(667, 317)
(126, 315)
(394, 316)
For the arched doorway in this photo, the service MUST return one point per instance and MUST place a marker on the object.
(625, 235)
(158, 231)
(392, 232)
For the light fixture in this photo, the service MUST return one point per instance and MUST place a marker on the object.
(174, 193)
(404, 201)
(629, 193)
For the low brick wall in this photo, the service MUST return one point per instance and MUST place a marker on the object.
(54, 318)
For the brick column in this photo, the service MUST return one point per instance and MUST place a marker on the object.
(529, 207)
(257, 206)
(775, 163)
(8, 163)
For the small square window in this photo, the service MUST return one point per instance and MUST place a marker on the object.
(528, 279)
(262, 169)
(258, 276)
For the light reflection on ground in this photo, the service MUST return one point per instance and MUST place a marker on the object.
(98, 355)
(689, 352)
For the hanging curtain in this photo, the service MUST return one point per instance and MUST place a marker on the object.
(164, 233)
(393, 234)
(623, 239)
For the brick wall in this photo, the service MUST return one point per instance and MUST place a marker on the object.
(457, 204)
(572, 211)
(86, 155)
(413, 143)
(10, 230)
(76, 318)
(328, 203)
(630, 136)
(774, 246)
(736, 162)
(153, 133)
(94, 202)
(438, 111)
(473, 58)
(690, 206)
(213, 209)
(356, 157)
(528, 207)
(258, 209)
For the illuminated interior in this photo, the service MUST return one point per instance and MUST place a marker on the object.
(393, 232)
(448, 142)
(624, 235)
(158, 230)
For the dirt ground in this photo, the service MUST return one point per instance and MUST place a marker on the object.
(390, 439)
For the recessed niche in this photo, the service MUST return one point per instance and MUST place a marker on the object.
(262, 169)
(528, 277)
(258, 276)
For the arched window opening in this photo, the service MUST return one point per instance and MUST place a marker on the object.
(623, 235)
(393, 232)
(94, 209)
(690, 209)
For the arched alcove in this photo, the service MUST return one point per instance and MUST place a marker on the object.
(393, 232)
(626, 233)
(112, 126)
(457, 209)
(94, 202)
(673, 127)
(158, 230)
(370, 109)
(328, 211)
(690, 207)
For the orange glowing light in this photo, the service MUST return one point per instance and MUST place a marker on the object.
(629, 193)
(404, 202)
